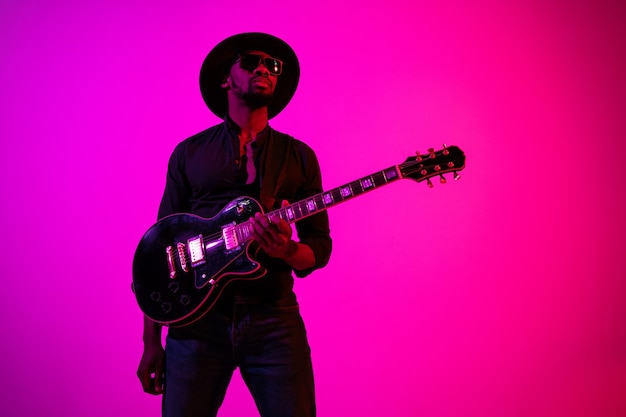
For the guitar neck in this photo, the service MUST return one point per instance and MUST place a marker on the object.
(322, 201)
(419, 167)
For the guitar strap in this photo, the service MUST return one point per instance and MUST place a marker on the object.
(273, 164)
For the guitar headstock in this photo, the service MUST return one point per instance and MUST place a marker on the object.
(434, 163)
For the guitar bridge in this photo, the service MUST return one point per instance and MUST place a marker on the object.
(182, 256)
(169, 251)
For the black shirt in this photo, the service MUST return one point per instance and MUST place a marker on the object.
(205, 172)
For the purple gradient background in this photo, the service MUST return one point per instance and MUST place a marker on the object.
(502, 294)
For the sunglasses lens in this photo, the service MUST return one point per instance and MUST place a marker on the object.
(274, 66)
(250, 62)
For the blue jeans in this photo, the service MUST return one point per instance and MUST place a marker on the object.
(267, 343)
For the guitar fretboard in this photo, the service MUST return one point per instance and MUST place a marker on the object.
(322, 201)
(419, 167)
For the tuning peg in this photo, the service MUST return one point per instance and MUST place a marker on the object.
(418, 157)
(445, 149)
(431, 152)
(430, 183)
(456, 176)
(442, 179)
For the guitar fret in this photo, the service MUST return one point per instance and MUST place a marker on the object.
(298, 211)
(278, 212)
(319, 201)
(379, 178)
(303, 208)
(390, 174)
(356, 188)
(328, 198)
(310, 205)
(367, 183)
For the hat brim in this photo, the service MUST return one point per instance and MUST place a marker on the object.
(212, 69)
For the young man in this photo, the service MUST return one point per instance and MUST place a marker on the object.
(255, 325)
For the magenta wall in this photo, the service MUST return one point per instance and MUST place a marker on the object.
(498, 295)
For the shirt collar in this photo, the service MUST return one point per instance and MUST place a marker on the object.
(234, 130)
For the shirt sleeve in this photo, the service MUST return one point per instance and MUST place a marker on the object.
(176, 197)
(313, 231)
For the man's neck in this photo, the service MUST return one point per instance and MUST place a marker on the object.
(250, 121)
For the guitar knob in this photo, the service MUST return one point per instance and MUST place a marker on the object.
(184, 299)
(430, 183)
(442, 179)
(155, 296)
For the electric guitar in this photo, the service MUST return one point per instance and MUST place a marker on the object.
(183, 262)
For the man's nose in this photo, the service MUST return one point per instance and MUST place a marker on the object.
(261, 69)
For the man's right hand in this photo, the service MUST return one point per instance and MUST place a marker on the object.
(151, 370)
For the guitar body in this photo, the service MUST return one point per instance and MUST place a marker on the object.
(174, 290)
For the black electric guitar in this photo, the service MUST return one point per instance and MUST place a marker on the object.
(183, 262)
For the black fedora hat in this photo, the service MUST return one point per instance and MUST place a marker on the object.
(214, 66)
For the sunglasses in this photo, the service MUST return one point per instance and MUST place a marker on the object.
(250, 62)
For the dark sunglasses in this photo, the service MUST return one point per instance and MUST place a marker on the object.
(250, 62)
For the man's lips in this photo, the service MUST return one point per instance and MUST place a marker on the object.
(262, 80)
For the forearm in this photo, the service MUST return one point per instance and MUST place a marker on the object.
(151, 369)
(299, 255)
(151, 332)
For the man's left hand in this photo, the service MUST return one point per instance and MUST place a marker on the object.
(273, 235)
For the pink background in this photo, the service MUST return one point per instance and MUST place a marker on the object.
(498, 295)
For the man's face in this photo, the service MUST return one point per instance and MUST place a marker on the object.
(255, 86)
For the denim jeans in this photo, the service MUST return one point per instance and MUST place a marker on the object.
(266, 342)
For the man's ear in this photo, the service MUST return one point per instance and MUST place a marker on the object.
(225, 83)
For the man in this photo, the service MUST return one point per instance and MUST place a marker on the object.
(255, 325)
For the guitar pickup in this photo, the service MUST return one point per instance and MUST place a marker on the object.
(229, 234)
(197, 254)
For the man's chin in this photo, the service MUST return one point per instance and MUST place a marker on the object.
(258, 100)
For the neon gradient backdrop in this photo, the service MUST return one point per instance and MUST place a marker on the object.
(498, 295)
